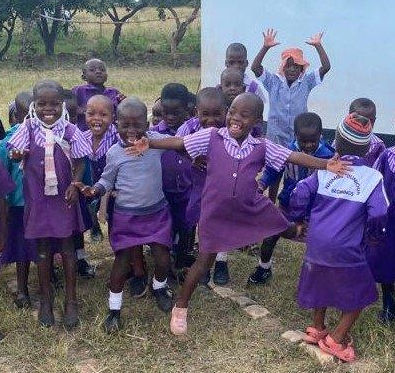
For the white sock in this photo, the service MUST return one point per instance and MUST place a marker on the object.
(222, 257)
(115, 301)
(267, 265)
(81, 254)
(158, 284)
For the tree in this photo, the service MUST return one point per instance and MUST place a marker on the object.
(181, 27)
(7, 25)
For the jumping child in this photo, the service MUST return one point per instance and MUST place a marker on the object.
(52, 149)
(308, 134)
(17, 249)
(141, 214)
(335, 272)
(233, 213)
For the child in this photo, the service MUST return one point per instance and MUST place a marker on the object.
(94, 72)
(233, 213)
(156, 115)
(236, 56)
(381, 259)
(289, 89)
(367, 108)
(211, 110)
(17, 249)
(176, 169)
(141, 214)
(52, 149)
(308, 134)
(335, 272)
(6, 186)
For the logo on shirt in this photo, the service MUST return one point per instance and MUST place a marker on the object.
(355, 186)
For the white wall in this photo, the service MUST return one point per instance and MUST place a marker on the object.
(359, 38)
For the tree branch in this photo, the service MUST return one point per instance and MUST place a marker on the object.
(175, 15)
(132, 13)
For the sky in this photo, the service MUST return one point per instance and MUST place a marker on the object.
(358, 37)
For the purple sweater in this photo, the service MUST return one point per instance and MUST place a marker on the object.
(342, 207)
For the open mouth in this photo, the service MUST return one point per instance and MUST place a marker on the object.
(49, 117)
(235, 129)
(96, 127)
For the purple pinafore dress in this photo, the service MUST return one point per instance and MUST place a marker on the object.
(49, 216)
(233, 213)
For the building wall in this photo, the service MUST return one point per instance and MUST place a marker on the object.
(358, 37)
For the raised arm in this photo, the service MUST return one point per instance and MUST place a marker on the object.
(269, 41)
(168, 143)
(315, 41)
(335, 164)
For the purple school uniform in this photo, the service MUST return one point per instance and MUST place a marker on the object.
(335, 272)
(233, 213)
(84, 92)
(176, 178)
(382, 258)
(49, 216)
(376, 148)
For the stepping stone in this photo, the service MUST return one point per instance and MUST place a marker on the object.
(12, 286)
(224, 292)
(293, 336)
(256, 311)
(88, 366)
(317, 353)
(242, 300)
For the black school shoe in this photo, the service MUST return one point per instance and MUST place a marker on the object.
(45, 315)
(112, 323)
(84, 269)
(260, 276)
(164, 298)
(221, 273)
(22, 300)
(138, 286)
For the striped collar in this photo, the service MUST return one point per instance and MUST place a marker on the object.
(248, 141)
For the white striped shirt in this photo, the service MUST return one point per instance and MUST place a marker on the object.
(108, 140)
(79, 147)
(197, 144)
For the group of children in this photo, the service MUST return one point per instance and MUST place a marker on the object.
(71, 155)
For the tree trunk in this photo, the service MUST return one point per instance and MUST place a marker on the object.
(49, 36)
(116, 37)
(26, 50)
(9, 31)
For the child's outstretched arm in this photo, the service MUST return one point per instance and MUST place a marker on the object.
(315, 41)
(143, 144)
(269, 41)
(335, 164)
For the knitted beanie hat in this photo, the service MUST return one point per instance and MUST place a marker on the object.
(355, 129)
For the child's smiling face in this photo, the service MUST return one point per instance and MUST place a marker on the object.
(211, 112)
(237, 60)
(132, 123)
(48, 105)
(292, 70)
(174, 112)
(242, 115)
(99, 115)
(308, 139)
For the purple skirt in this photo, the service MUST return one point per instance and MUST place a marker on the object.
(344, 288)
(17, 248)
(129, 230)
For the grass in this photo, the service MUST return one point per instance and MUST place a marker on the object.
(221, 338)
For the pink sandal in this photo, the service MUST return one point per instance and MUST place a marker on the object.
(313, 335)
(330, 346)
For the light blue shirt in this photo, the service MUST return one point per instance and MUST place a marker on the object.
(286, 102)
(137, 180)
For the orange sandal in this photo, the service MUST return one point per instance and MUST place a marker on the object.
(313, 335)
(330, 346)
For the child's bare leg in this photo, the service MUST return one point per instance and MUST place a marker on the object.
(319, 318)
(347, 320)
(69, 267)
(22, 274)
(137, 260)
(44, 264)
(273, 190)
(203, 262)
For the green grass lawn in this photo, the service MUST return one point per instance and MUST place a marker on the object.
(222, 338)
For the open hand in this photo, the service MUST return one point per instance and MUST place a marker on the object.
(85, 190)
(315, 39)
(337, 166)
(138, 147)
(269, 39)
(17, 155)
